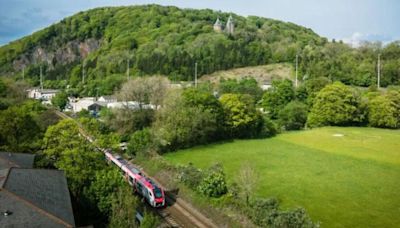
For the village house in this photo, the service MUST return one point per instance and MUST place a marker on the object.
(42, 94)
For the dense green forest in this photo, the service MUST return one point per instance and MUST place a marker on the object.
(101, 43)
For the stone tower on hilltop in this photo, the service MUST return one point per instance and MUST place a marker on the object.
(230, 26)
(218, 26)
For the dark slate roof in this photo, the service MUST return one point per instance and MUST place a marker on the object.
(3, 176)
(44, 190)
(22, 215)
(8, 160)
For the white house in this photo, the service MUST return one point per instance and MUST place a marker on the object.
(42, 94)
(266, 85)
(81, 104)
(134, 105)
(107, 99)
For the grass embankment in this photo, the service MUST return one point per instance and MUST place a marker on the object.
(344, 177)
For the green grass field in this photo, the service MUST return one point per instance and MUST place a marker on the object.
(351, 180)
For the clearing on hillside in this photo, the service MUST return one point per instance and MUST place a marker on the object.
(347, 181)
(264, 73)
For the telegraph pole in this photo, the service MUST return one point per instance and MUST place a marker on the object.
(83, 73)
(127, 70)
(195, 74)
(23, 73)
(379, 71)
(297, 66)
(41, 78)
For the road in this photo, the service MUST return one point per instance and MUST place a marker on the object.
(177, 213)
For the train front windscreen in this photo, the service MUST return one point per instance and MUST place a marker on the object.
(158, 193)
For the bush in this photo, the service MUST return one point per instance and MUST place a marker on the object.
(266, 213)
(191, 176)
(336, 104)
(384, 110)
(293, 116)
(140, 141)
(268, 128)
(214, 184)
(275, 98)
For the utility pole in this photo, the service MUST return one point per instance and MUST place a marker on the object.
(83, 73)
(127, 70)
(195, 74)
(41, 78)
(23, 73)
(379, 71)
(297, 66)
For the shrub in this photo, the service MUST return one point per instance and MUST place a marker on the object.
(336, 104)
(268, 128)
(293, 116)
(266, 213)
(191, 176)
(214, 184)
(384, 110)
(140, 141)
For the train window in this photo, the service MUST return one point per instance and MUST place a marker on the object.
(139, 186)
(130, 179)
(157, 192)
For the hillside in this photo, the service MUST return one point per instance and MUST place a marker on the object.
(156, 40)
(90, 51)
(263, 73)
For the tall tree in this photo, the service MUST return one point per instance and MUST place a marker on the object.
(279, 95)
(384, 110)
(66, 149)
(241, 117)
(19, 130)
(336, 104)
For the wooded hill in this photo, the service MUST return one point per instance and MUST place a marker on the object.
(98, 44)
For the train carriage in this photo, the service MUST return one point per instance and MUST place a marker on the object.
(144, 186)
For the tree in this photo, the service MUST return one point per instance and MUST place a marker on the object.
(384, 110)
(243, 86)
(293, 116)
(144, 90)
(123, 208)
(126, 121)
(179, 125)
(241, 117)
(247, 180)
(19, 131)
(65, 149)
(279, 95)
(336, 104)
(103, 187)
(60, 100)
(140, 141)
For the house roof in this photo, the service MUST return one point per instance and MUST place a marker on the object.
(36, 195)
(8, 160)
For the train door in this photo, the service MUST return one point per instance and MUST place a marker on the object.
(130, 180)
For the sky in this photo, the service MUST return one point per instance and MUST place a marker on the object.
(349, 20)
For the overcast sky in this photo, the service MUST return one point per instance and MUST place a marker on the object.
(348, 20)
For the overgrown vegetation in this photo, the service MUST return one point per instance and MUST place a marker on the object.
(168, 41)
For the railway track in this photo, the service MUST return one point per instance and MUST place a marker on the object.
(177, 212)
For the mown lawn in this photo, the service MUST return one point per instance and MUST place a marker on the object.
(351, 180)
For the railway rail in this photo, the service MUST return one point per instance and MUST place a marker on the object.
(177, 212)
